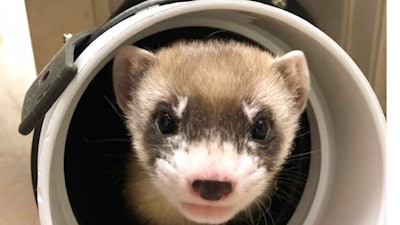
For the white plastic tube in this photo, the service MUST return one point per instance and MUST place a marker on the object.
(346, 183)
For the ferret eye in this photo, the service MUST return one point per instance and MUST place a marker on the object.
(260, 130)
(166, 123)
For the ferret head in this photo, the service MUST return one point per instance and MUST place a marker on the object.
(211, 122)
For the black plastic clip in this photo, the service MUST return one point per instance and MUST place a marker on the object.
(51, 82)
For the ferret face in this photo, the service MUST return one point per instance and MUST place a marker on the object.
(211, 122)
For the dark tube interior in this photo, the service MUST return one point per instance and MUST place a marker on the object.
(97, 149)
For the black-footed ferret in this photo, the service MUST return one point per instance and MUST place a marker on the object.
(212, 123)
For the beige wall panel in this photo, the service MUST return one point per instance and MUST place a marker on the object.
(379, 79)
(357, 26)
(328, 16)
(50, 19)
(114, 4)
(101, 11)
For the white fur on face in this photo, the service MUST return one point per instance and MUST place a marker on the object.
(182, 102)
(250, 110)
(210, 160)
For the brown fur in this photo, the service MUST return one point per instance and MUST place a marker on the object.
(220, 74)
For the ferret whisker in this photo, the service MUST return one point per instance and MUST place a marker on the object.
(303, 154)
(116, 174)
(292, 168)
(272, 218)
(115, 156)
(296, 160)
(250, 216)
(260, 210)
(268, 210)
(276, 194)
(242, 219)
(293, 181)
(106, 140)
(113, 107)
(282, 197)
(109, 152)
(293, 173)
(303, 134)
(289, 185)
(215, 32)
(290, 179)
(265, 210)
(289, 198)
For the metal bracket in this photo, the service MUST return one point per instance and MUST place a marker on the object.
(51, 82)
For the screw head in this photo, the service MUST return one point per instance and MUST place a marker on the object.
(280, 3)
(66, 37)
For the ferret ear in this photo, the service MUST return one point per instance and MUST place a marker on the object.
(130, 65)
(293, 68)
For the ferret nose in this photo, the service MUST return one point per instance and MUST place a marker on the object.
(211, 189)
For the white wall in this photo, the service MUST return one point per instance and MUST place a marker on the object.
(17, 72)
